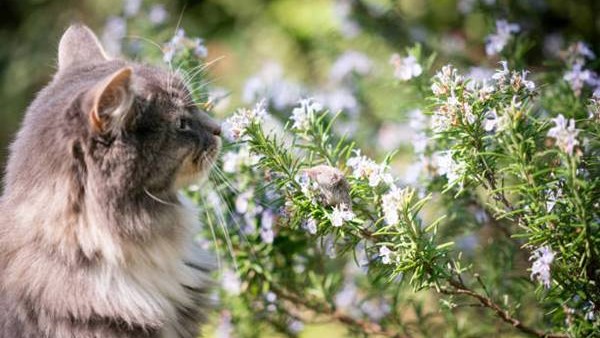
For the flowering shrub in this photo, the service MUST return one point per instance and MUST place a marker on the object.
(494, 222)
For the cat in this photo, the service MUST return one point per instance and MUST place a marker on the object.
(95, 240)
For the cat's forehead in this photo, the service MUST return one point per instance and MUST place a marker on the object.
(154, 81)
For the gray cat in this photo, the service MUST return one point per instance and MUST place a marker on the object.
(95, 240)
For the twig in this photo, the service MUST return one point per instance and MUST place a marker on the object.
(320, 307)
(460, 289)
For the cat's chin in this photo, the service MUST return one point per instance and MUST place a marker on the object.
(195, 171)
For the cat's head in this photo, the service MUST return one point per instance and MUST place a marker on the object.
(127, 127)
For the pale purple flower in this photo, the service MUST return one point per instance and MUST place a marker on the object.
(270, 83)
(158, 14)
(173, 46)
(305, 114)
(308, 186)
(310, 225)
(296, 326)
(200, 49)
(502, 75)
(579, 52)
(271, 297)
(114, 31)
(391, 135)
(225, 328)
(540, 269)
(351, 62)
(347, 297)
(478, 77)
(339, 99)
(553, 43)
(375, 309)
(341, 214)
(565, 134)
(384, 253)
(519, 80)
(496, 42)
(329, 243)
(131, 7)
(577, 77)
(348, 27)
(405, 68)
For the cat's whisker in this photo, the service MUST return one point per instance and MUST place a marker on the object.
(150, 41)
(240, 229)
(212, 231)
(158, 199)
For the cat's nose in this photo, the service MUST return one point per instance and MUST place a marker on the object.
(216, 130)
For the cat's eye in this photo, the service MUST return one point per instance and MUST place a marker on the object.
(184, 124)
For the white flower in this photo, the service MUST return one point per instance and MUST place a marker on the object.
(242, 201)
(540, 269)
(564, 133)
(303, 115)
(405, 68)
(235, 126)
(496, 42)
(311, 226)
(393, 201)
(363, 167)
(446, 80)
(490, 121)
(308, 187)
(234, 161)
(385, 253)
(348, 63)
(341, 214)
(266, 226)
(231, 282)
(440, 121)
(553, 196)
(447, 166)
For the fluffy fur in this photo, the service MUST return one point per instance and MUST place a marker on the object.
(95, 241)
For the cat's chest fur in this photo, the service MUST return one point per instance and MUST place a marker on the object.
(147, 285)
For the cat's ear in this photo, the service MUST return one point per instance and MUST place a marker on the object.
(79, 45)
(112, 102)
